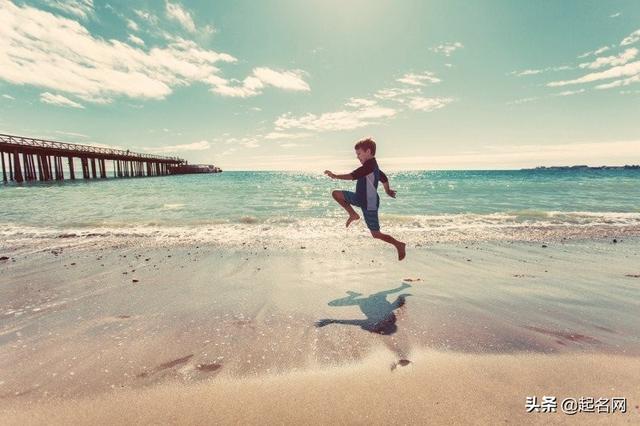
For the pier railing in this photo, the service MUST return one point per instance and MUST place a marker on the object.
(42, 160)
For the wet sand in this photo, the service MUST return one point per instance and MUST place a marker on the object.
(259, 333)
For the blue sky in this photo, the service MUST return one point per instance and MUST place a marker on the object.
(292, 85)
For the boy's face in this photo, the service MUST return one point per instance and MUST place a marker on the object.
(363, 155)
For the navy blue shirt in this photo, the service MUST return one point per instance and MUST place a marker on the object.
(368, 176)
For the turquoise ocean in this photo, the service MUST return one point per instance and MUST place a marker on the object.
(237, 203)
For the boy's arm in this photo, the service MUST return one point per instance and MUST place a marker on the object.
(335, 176)
(357, 173)
(385, 182)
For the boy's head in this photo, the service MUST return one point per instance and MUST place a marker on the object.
(365, 149)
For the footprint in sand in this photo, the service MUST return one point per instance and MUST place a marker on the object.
(208, 367)
(165, 366)
(402, 363)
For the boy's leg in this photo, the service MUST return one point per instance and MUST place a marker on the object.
(339, 197)
(399, 245)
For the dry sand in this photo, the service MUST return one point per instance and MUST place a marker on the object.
(436, 388)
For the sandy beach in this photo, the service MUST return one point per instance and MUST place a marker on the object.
(205, 206)
(319, 333)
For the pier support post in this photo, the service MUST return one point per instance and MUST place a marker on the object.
(4, 172)
(11, 175)
(42, 168)
(34, 174)
(32, 167)
(45, 167)
(16, 166)
(39, 160)
(85, 168)
(25, 166)
(72, 175)
(48, 163)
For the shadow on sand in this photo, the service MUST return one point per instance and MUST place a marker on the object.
(379, 312)
(381, 318)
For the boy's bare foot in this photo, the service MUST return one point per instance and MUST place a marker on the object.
(351, 219)
(401, 251)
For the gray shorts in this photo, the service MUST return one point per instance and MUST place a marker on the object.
(370, 216)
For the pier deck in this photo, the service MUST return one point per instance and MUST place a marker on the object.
(29, 159)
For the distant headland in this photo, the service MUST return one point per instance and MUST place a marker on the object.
(585, 167)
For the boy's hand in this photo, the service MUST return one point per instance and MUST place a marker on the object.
(391, 193)
(330, 174)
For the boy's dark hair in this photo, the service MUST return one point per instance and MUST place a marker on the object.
(367, 144)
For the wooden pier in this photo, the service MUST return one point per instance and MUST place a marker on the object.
(29, 159)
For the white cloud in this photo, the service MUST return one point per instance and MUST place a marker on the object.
(362, 112)
(627, 70)
(207, 29)
(523, 100)
(538, 71)
(195, 146)
(136, 40)
(528, 72)
(395, 93)
(621, 59)
(615, 15)
(595, 52)
(176, 12)
(338, 120)
(428, 104)
(145, 16)
(80, 8)
(260, 78)
(132, 25)
(251, 86)
(280, 135)
(359, 102)
(41, 49)
(631, 38)
(447, 48)
(618, 83)
(288, 80)
(8, 97)
(419, 79)
(50, 98)
(570, 92)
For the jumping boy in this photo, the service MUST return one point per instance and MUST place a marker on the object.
(366, 195)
